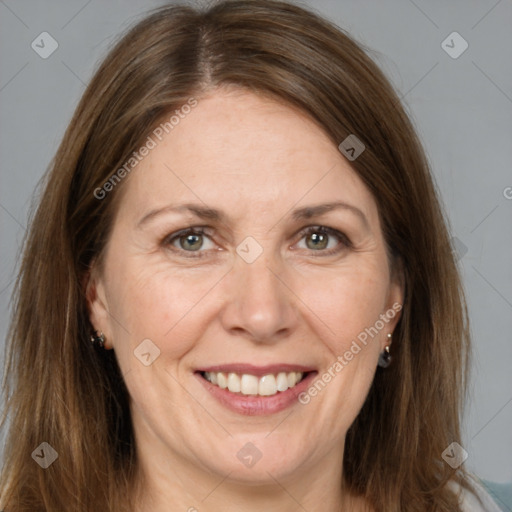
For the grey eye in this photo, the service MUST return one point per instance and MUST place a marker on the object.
(322, 239)
(317, 241)
(191, 242)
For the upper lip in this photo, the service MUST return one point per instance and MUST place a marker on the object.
(258, 371)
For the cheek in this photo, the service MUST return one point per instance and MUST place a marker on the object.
(347, 301)
(350, 305)
(159, 303)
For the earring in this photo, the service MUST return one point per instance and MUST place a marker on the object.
(385, 356)
(98, 339)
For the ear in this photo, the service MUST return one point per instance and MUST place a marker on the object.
(395, 301)
(97, 305)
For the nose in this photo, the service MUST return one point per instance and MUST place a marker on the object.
(261, 305)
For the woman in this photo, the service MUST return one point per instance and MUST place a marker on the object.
(238, 291)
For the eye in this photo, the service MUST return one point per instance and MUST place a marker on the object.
(190, 240)
(323, 239)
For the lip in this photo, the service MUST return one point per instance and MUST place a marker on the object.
(250, 405)
(257, 371)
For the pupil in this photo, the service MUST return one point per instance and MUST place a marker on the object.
(191, 242)
(319, 241)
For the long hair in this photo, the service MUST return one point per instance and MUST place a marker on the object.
(61, 390)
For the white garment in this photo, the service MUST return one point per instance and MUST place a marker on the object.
(470, 503)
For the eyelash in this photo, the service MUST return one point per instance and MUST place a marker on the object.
(324, 230)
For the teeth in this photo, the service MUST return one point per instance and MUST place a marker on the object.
(222, 380)
(249, 385)
(267, 386)
(246, 384)
(282, 382)
(234, 383)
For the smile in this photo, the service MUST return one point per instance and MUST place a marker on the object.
(256, 390)
(247, 384)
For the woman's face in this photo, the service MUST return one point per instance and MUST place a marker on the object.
(245, 252)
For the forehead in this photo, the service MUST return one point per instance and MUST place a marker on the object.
(239, 150)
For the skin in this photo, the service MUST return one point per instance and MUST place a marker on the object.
(257, 161)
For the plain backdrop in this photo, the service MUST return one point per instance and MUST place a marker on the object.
(462, 108)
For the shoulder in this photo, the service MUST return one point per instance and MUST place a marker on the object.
(479, 501)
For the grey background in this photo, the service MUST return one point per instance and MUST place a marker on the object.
(462, 109)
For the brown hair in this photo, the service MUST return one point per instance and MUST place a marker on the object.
(59, 389)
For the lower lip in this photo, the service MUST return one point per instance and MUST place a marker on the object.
(251, 405)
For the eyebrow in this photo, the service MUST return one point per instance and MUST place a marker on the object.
(315, 211)
(212, 214)
(198, 210)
